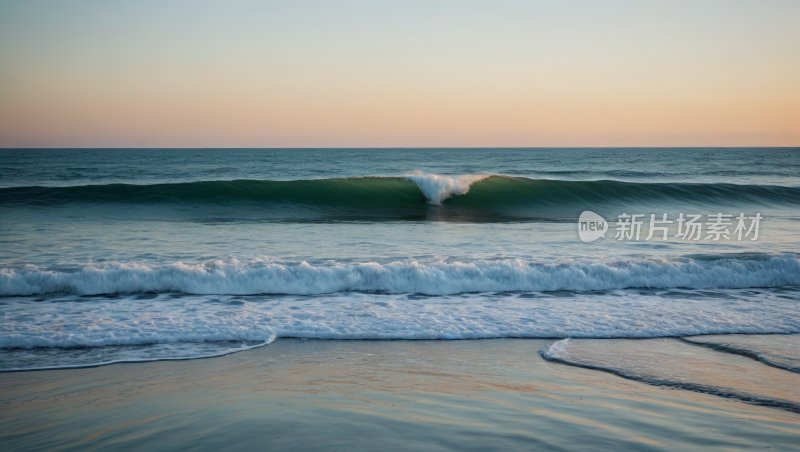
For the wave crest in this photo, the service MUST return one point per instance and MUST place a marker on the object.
(437, 188)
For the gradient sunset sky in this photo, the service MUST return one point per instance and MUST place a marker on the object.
(350, 73)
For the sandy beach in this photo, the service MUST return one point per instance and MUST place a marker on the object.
(358, 395)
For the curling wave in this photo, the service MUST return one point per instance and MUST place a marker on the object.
(416, 190)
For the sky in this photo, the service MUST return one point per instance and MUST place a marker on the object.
(410, 73)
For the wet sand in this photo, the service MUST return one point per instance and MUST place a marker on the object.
(681, 364)
(375, 395)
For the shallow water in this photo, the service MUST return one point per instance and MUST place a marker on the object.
(781, 351)
(673, 363)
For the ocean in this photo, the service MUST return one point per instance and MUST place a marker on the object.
(127, 255)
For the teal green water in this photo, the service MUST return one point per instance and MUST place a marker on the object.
(138, 254)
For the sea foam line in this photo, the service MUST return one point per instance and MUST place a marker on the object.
(142, 359)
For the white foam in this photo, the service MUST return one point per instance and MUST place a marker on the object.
(437, 188)
(557, 349)
(432, 278)
(75, 321)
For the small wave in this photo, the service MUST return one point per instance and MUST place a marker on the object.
(433, 278)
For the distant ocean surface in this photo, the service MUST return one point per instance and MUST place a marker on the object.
(143, 254)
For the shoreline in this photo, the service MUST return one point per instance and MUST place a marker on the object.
(430, 395)
(720, 348)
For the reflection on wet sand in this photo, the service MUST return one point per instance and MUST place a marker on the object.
(776, 350)
(679, 364)
(422, 395)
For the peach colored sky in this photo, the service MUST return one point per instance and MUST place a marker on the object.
(401, 73)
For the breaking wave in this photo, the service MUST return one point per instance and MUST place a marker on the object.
(432, 278)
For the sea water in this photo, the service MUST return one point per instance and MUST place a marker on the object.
(113, 255)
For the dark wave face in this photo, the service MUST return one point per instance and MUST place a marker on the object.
(416, 195)
(519, 191)
(352, 192)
